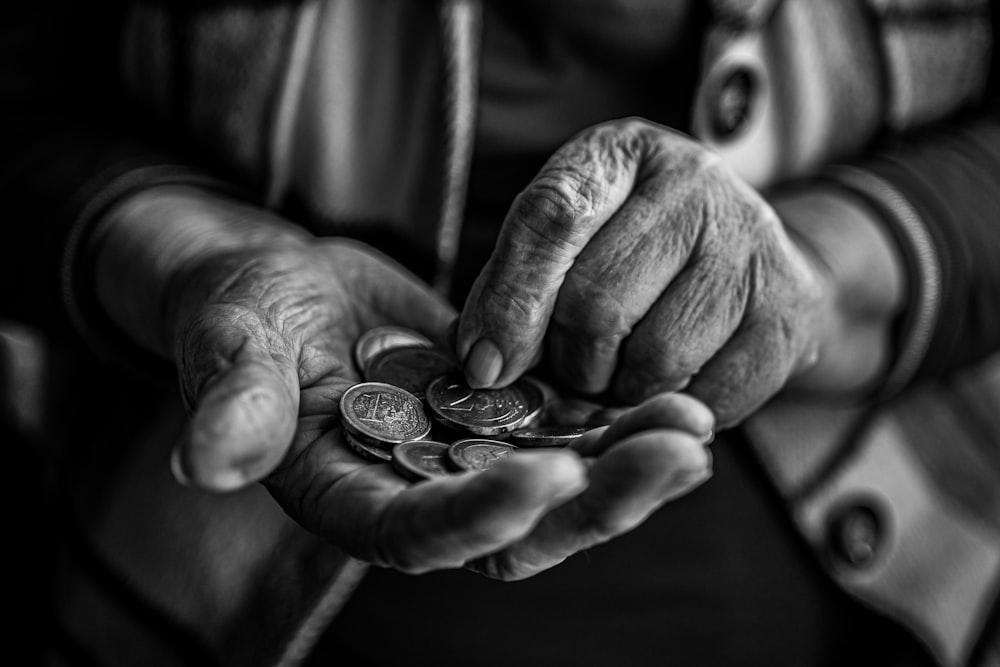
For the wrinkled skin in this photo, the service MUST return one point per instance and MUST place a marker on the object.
(263, 340)
(636, 263)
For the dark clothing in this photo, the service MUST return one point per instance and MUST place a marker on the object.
(717, 578)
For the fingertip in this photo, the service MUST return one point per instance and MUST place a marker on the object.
(693, 480)
(700, 472)
(656, 452)
(177, 467)
(205, 477)
(237, 437)
(699, 416)
(224, 481)
(484, 364)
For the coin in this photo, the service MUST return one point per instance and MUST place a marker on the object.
(382, 338)
(410, 368)
(478, 411)
(421, 459)
(545, 436)
(368, 449)
(384, 413)
(534, 399)
(478, 454)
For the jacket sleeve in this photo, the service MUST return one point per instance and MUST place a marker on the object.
(938, 188)
(73, 144)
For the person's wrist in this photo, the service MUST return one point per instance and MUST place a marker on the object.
(866, 284)
(155, 248)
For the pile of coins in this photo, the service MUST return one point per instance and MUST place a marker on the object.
(415, 411)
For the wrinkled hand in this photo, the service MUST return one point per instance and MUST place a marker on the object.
(648, 266)
(264, 343)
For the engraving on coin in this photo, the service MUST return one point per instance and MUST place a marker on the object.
(478, 454)
(368, 450)
(410, 368)
(383, 412)
(545, 436)
(479, 411)
(421, 459)
(383, 338)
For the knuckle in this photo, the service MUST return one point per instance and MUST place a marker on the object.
(501, 567)
(589, 310)
(602, 518)
(604, 526)
(551, 211)
(657, 362)
(517, 307)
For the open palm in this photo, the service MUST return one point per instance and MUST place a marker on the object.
(264, 350)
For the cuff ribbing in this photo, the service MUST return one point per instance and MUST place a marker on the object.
(923, 266)
(77, 283)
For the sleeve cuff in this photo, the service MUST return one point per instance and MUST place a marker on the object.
(87, 229)
(923, 266)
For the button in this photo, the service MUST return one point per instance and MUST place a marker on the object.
(855, 535)
(731, 108)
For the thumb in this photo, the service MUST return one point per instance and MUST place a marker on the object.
(508, 309)
(245, 399)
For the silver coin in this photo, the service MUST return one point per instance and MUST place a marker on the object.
(410, 368)
(478, 454)
(421, 459)
(534, 398)
(478, 411)
(384, 413)
(545, 436)
(367, 449)
(383, 338)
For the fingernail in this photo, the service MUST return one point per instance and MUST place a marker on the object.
(177, 468)
(710, 438)
(484, 364)
(227, 480)
(223, 480)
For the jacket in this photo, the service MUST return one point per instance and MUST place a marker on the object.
(889, 100)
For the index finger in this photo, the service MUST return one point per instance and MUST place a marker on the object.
(376, 516)
(577, 191)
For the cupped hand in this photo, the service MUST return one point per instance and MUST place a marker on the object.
(636, 263)
(264, 341)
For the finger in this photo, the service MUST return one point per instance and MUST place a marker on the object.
(688, 325)
(664, 411)
(549, 224)
(399, 297)
(747, 371)
(245, 401)
(627, 484)
(448, 522)
(626, 267)
(376, 516)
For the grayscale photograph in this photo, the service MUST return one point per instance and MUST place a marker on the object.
(496, 333)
